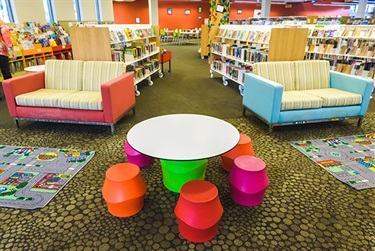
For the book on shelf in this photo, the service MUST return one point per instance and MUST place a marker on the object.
(128, 34)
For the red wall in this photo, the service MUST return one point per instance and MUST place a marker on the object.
(178, 19)
(278, 10)
(126, 12)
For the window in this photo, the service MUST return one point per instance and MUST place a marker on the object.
(6, 13)
(77, 9)
(49, 11)
(98, 11)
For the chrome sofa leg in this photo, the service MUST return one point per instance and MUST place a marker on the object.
(270, 129)
(359, 124)
(112, 129)
(16, 123)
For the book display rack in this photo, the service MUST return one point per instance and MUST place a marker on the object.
(237, 47)
(135, 45)
(34, 44)
(349, 48)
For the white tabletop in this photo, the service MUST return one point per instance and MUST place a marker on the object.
(35, 68)
(183, 137)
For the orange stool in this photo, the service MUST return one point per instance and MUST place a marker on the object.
(124, 190)
(198, 211)
(244, 147)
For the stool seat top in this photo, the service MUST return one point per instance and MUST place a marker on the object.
(122, 172)
(250, 163)
(199, 191)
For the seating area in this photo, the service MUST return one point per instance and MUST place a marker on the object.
(72, 91)
(180, 36)
(300, 92)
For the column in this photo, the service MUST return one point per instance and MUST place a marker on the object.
(266, 7)
(361, 9)
(153, 12)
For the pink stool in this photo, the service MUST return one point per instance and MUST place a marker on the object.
(248, 180)
(137, 158)
(198, 211)
(244, 147)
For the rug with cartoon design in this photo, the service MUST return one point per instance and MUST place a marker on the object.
(30, 176)
(351, 159)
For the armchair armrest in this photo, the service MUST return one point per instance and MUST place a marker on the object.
(118, 96)
(263, 97)
(23, 84)
(355, 84)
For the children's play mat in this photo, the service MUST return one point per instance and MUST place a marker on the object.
(350, 159)
(30, 176)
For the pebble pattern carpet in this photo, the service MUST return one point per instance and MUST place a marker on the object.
(304, 207)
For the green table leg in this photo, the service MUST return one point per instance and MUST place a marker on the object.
(177, 172)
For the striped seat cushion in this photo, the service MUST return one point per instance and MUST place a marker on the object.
(280, 72)
(43, 97)
(297, 100)
(63, 74)
(336, 97)
(312, 74)
(96, 73)
(84, 100)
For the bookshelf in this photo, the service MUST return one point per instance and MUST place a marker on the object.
(204, 41)
(349, 48)
(135, 45)
(236, 48)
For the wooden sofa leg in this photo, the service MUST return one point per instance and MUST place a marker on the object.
(244, 112)
(359, 124)
(16, 123)
(133, 110)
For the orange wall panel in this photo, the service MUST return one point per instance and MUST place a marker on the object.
(127, 12)
(178, 19)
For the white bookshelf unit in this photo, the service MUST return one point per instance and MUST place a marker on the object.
(135, 45)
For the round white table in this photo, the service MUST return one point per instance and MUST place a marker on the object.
(183, 137)
(35, 68)
(183, 143)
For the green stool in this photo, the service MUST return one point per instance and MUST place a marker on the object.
(176, 172)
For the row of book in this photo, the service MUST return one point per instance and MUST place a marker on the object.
(229, 69)
(344, 31)
(244, 53)
(255, 36)
(138, 50)
(355, 51)
(364, 69)
(16, 66)
(144, 68)
(127, 34)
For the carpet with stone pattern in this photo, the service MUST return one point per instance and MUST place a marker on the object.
(304, 208)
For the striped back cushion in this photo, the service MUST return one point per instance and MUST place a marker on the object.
(280, 72)
(63, 74)
(312, 74)
(96, 73)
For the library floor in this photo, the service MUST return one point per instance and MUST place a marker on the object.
(304, 208)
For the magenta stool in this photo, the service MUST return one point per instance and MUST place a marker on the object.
(248, 180)
(198, 211)
(137, 158)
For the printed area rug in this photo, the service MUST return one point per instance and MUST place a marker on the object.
(30, 177)
(350, 159)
